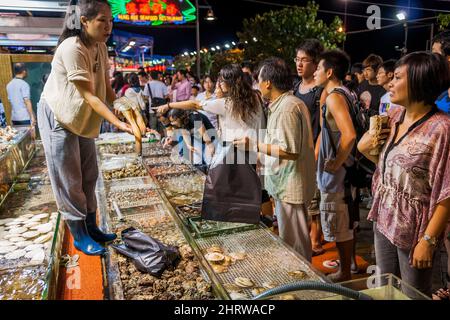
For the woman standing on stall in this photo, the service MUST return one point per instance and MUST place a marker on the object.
(411, 186)
(70, 114)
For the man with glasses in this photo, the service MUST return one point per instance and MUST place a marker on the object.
(306, 61)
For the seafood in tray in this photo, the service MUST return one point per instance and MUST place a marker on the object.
(8, 133)
(27, 239)
(115, 149)
(132, 197)
(170, 169)
(184, 282)
(22, 284)
(154, 150)
(120, 167)
(182, 189)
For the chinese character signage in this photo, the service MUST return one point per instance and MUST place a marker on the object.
(153, 12)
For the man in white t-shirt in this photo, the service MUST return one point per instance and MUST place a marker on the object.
(19, 98)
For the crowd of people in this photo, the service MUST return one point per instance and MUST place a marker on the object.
(315, 156)
(317, 130)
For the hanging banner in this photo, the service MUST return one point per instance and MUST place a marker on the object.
(154, 13)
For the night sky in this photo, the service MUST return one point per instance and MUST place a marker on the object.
(230, 14)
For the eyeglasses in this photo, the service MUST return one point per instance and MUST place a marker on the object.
(302, 60)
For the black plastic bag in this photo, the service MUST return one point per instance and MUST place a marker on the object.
(148, 254)
(232, 191)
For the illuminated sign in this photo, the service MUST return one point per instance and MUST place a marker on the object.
(154, 13)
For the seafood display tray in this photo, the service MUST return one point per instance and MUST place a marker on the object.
(208, 228)
(268, 260)
(130, 183)
(154, 210)
(132, 197)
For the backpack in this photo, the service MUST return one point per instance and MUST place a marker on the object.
(356, 175)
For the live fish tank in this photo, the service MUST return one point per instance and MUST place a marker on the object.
(381, 287)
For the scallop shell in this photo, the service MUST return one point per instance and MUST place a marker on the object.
(269, 284)
(243, 282)
(43, 239)
(231, 287)
(44, 228)
(13, 223)
(238, 296)
(42, 216)
(298, 274)
(30, 234)
(258, 290)
(18, 230)
(31, 224)
(5, 221)
(214, 257)
(238, 255)
(15, 255)
(219, 268)
(4, 243)
(215, 249)
(23, 244)
(9, 249)
(28, 215)
(16, 239)
(21, 219)
(32, 247)
(38, 257)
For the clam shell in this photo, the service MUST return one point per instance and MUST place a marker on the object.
(244, 282)
(42, 215)
(4, 243)
(18, 230)
(13, 223)
(5, 221)
(31, 224)
(30, 234)
(219, 268)
(34, 247)
(21, 219)
(214, 257)
(9, 249)
(44, 228)
(42, 239)
(15, 255)
(238, 255)
(16, 239)
(23, 244)
(28, 215)
(238, 296)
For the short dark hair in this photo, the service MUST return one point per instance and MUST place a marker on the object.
(338, 61)
(277, 72)
(312, 47)
(389, 65)
(143, 74)
(357, 68)
(247, 64)
(428, 76)
(183, 72)
(196, 87)
(444, 39)
(133, 80)
(154, 74)
(19, 68)
(374, 61)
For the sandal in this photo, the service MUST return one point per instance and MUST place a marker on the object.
(318, 252)
(441, 294)
(331, 264)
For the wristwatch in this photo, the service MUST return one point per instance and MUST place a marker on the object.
(432, 241)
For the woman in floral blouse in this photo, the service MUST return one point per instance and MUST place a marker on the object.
(411, 186)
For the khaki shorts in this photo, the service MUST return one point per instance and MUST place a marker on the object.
(334, 218)
(313, 209)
